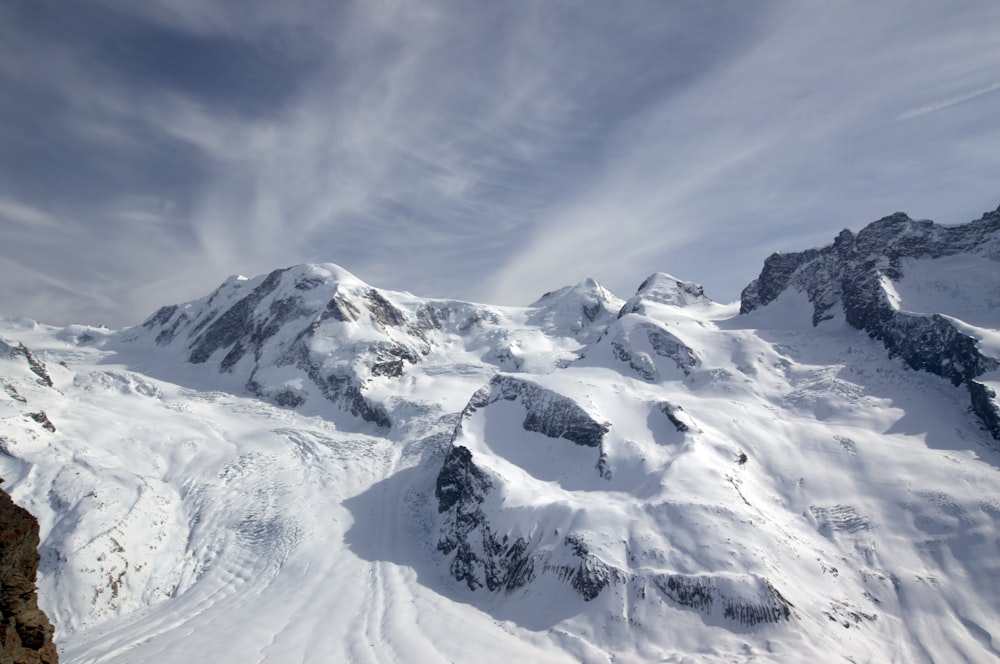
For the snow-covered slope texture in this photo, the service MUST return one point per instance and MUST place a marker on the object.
(303, 468)
(930, 293)
(315, 334)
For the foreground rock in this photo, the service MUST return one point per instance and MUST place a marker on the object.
(25, 630)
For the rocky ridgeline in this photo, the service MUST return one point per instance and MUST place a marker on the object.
(744, 599)
(252, 327)
(25, 630)
(342, 335)
(480, 555)
(322, 323)
(847, 275)
(483, 555)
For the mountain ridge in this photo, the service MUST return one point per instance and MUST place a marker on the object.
(586, 478)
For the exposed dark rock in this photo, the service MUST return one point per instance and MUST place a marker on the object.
(481, 557)
(308, 283)
(234, 324)
(288, 399)
(849, 273)
(37, 366)
(549, 413)
(161, 317)
(167, 334)
(496, 561)
(460, 480)
(25, 630)
(44, 420)
(603, 469)
(622, 351)
(747, 600)
(984, 404)
(591, 575)
(627, 342)
(241, 334)
(389, 358)
(430, 317)
(671, 411)
(234, 355)
(383, 311)
(481, 315)
(508, 564)
(775, 277)
(346, 391)
(13, 393)
(848, 615)
(341, 309)
(669, 346)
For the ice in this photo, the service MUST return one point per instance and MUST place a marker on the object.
(183, 519)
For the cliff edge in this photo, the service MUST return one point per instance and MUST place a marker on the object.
(25, 630)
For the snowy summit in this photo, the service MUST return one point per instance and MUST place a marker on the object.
(302, 467)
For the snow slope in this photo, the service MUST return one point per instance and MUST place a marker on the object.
(300, 467)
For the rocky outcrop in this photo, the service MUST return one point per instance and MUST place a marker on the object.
(984, 404)
(318, 331)
(675, 414)
(743, 599)
(638, 341)
(37, 366)
(254, 327)
(588, 575)
(848, 275)
(546, 412)
(481, 557)
(25, 630)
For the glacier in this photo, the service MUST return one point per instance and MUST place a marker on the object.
(304, 467)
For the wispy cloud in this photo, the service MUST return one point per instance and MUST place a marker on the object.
(947, 103)
(488, 152)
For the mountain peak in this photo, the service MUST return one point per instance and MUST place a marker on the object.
(583, 310)
(664, 288)
(906, 283)
(300, 454)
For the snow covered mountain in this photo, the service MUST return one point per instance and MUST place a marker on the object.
(302, 467)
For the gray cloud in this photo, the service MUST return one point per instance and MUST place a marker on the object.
(489, 151)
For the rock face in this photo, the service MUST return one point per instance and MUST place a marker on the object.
(37, 366)
(317, 330)
(855, 275)
(744, 599)
(546, 412)
(253, 327)
(25, 631)
(485, 556)
(481, 557)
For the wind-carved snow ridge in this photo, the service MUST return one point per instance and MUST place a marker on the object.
(302, 467)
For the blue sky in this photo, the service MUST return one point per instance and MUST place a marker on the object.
(482, 150)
